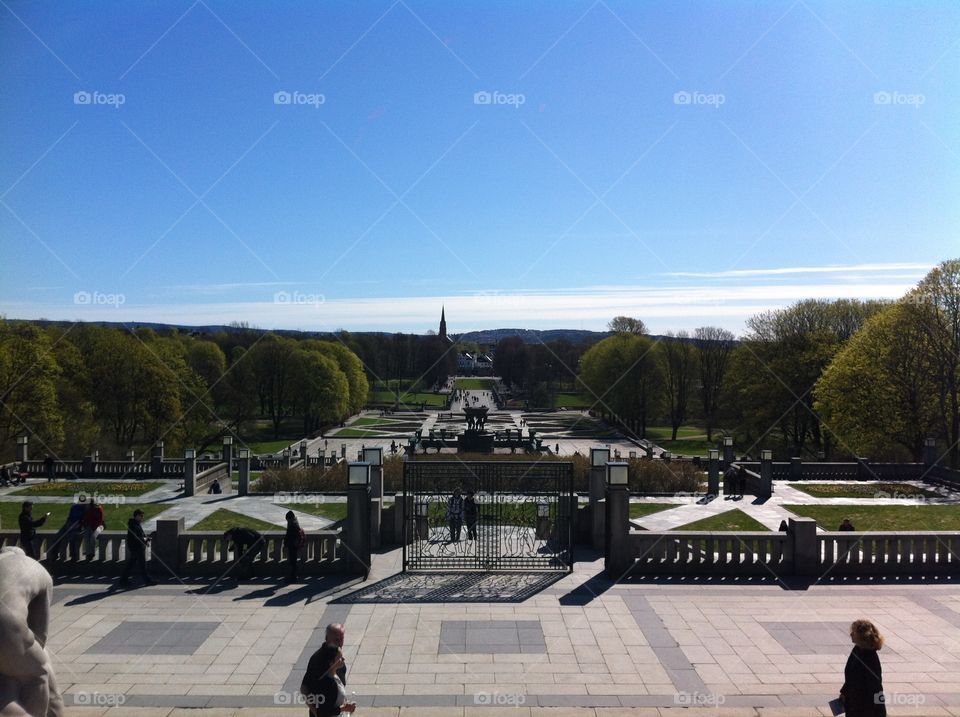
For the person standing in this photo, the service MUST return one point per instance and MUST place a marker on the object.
(334, 635)
(846, 525)
(321, 688)
(92, 526)
(455, 515)
(72, 530)
(136, 550)
(293, 540)
(48, 468)
(470, 515)
(862, 691)
(28, 529)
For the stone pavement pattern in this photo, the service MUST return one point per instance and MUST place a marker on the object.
(580, 646)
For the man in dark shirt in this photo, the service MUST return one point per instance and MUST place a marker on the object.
(136, 550)
(246, 543)
(846, 525)
(28, 529)
(334, 636)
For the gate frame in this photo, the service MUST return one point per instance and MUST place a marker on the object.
(564, 483)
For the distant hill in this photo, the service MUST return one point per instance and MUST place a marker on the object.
(534, 336)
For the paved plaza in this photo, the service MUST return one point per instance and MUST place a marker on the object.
(492, 645)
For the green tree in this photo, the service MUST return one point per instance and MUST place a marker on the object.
(879, 399)
(321, 389)
(713, 348)
(678, 356)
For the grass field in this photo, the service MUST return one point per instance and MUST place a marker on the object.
(260, 447)
(864, 490)
(224, 519)
(88, 487)
(474, 384)
(906, 518)
(115, 516)
(691, 440)
(350, 432)
(735, 520)
(330, 511)
(572, 400)
(640, 510)
(409, 399)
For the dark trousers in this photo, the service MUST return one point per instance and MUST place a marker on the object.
(136, 560)
(292, 551)
(456, 525)
(472, 529)
(29, 547)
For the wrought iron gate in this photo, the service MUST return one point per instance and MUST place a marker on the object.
(519, 520)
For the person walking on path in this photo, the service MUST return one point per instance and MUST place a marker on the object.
(470, 515)
(136, 550)
(455, 515)
(321, 688)
(293, 541)
(246, 542)
(334, 635)
(862, 691)
(71, 532)
(92, 527)
(28, 529)
(48, 468)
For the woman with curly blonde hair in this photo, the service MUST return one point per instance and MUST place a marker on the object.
(862, 691)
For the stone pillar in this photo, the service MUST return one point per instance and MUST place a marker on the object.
(567, 520)
(728, 454)
(287, 457)
(343, 450)
(802, 534)
(322, 457)
(648, 451)
(766, 475)
(156, 460)
(303, 452)
(929, 453)
(796, 468)
(356, 536)
(189, 471)
(403, 519)
(228, 455)
(598, 471)
(713, 474)
(243, 465)
(88, 470)
(617, 549)
(23, 449)
(165, 547)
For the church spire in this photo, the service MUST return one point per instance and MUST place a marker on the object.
(443, 323)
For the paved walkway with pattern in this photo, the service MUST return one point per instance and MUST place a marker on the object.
(502, 645)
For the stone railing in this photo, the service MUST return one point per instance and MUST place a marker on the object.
(917, 553)
(187, 554)
(204, 479)
(707, 553)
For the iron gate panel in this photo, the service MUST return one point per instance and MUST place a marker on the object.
(523, 516)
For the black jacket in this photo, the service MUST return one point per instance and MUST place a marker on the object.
(320, 692)
(244, 538)
(136, 540)
(28, 526)
(862, 689)
(292, 537)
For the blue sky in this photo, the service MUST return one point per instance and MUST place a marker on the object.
(356, 165)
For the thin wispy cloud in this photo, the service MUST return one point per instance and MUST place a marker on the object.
(832, 269)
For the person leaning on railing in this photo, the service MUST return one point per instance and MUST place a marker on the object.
(246, 542)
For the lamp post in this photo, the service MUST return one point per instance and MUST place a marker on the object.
(357, 540)
(617, 556)
(713, 473)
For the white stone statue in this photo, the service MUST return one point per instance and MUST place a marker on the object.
(28, 687)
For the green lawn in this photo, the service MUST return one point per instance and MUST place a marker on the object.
(115, 516)
(366, 421)
(867, 518)
(409, 399)
(260, 447)
(330, 511)
(864, 490)
(640, 510)
(572, 400)
(691, 440)
(474, 384)
(89, 487)
(350, 432)
(733, 520)
(223, 519)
